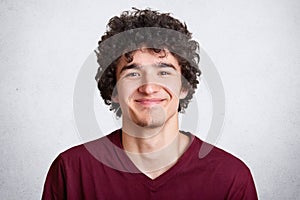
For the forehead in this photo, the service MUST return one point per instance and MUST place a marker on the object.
(149, 57)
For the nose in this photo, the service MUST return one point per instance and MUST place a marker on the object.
(149, 83)
(149, 88)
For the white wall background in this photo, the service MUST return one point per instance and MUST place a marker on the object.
(254, 44)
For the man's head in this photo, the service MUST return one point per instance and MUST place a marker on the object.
(160, 41)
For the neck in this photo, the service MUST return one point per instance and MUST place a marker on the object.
(156, 149)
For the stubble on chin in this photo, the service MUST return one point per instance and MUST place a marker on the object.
(149, 118)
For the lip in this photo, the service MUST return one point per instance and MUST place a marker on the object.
(149, 102)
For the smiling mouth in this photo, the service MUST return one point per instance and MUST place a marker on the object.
(149, 102)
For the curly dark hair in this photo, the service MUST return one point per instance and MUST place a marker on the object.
(127, 33)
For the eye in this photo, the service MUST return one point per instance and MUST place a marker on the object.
(164, 73)
(132, 74)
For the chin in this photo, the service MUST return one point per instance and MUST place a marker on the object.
(150, 123)
(149, 118)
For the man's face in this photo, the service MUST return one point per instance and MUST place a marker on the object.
(149, 88)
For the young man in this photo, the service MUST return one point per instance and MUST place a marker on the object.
(147, 73)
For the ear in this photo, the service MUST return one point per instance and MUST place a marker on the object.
(115, 98)
(183, 93)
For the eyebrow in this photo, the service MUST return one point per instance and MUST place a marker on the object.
(164, 65)
(132, 66)
(159, 65)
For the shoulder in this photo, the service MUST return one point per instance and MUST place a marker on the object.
(91, 149)
(224, 172)
(218, 158)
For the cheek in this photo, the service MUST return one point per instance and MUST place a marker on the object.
(173, 86)
(125, 91)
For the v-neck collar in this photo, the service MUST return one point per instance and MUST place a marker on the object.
(154, 184)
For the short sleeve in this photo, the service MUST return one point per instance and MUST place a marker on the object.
(243, 188)
(55, 187)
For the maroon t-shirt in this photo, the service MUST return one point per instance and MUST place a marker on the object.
(101, 170)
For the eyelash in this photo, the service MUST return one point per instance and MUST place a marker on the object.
(135, 74)
(164, 73)
(132, 74)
